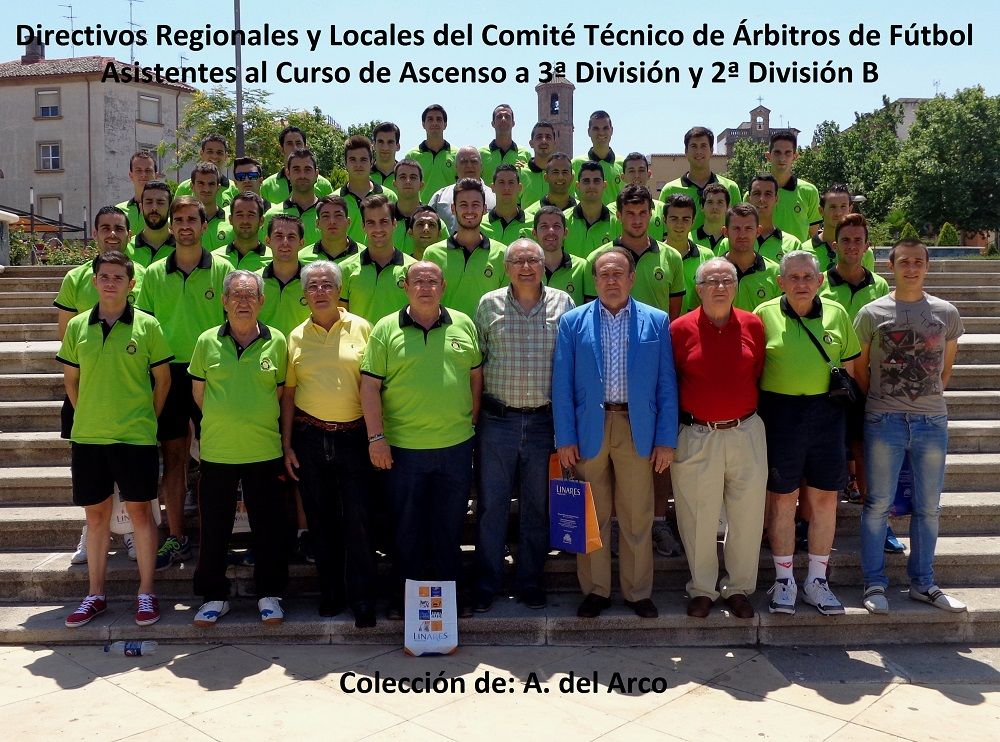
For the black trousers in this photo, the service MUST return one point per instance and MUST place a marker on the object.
(263, 496)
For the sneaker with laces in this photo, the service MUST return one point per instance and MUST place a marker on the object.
(211, 612)
(147, 609)
(80, 555)
(936, 597)
(270, 610)
(817, 593)
(664, 541)
(128, 539)
(173, 550)
(783, 593)
(874, 600)
(91, 607)
(852, 492)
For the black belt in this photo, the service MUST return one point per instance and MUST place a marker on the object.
(495, 407)
(688, 419)
(327, 425)
(616, 406)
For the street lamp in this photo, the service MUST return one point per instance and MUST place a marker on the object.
(240, 143)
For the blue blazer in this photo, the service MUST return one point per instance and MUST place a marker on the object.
(578, 380)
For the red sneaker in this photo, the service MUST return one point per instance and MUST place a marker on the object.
(92, 605)
(147, 609)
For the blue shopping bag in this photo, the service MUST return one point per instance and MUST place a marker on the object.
(902, 503)
(572, 515)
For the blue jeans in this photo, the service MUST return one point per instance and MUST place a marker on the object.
(513, 450)
(888, 436)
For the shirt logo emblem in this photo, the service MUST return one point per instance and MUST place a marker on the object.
(456, 345)
(658, 274)
(131, 348)
(400, 282)
(449, 162)
(761, 293)
(798, 208)
(488, 272)
(130, 299)
(302, 301)
(210, 294)
(265, 364)
(570, 288)
(827, 338)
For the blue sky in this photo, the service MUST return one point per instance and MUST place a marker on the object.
(647, 117)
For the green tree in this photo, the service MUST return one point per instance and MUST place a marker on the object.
(948, 166)
(746, 161)
(948, 236)
(824, 162)
(366, 129)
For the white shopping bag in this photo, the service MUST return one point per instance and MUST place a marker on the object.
(120, 522)
(241, 523)
(430, 618)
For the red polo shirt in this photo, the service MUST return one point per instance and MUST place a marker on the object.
(718, 367)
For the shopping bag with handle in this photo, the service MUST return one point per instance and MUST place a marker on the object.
(430, 617)
(572, 515)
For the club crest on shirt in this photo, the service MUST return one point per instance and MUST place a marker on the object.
(400, 282)
(570, 288)
(828, 338)
(210, 294)
(265, 364)
(761, 293)
(488, 272)
(456, 345)
(131, 348)
(302, 300)
(658, 274)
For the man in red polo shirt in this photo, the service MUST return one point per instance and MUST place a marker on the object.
(721, 456)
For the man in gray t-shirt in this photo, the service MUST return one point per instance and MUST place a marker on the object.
(908, 345)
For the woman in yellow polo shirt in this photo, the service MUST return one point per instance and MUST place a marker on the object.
(326, 446)
(804, 428)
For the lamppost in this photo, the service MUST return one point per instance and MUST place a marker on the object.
(240, 143)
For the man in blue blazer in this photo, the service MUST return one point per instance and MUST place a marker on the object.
(614, 403)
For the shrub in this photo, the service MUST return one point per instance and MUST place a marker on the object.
(948, 236)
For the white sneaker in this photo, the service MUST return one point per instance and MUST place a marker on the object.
(211, 612)
(937, 598)
(874, 600)
(128, 539)
(80, 555)
(783, 593)
(270, 611)
(817, 593)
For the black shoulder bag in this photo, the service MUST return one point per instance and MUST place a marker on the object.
(844, 390)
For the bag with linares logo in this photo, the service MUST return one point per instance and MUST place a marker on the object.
(430, 617)
(572, 515)
(121, 523)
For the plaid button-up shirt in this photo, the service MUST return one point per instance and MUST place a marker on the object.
(518, 346)
(614, 342)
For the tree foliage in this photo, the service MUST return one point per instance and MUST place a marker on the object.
(948, 236)
(746, 161)
(948, 167)
(909, 232)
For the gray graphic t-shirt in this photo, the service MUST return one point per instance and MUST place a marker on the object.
(907, 341)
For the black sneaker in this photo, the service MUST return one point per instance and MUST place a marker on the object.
(304, 549)
(173, 550)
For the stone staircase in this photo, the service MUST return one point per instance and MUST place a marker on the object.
(39, 527)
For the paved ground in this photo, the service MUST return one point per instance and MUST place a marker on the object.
(239, 692)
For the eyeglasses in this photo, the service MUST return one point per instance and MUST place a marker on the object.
(530, 262)
(252, 175)
(248, 296)
(320, 288)
(724, 283)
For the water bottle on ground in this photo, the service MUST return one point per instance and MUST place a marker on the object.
(134, 648)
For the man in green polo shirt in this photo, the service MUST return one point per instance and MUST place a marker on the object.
(277, 188)
(757, 276)
(679, 214)
(421, 386)
(558, 177)
(506, 221)
(797, 211)
(599, 129)
(333, 223)
(214, 149)
(205, 183)
(373, 279)
(590, 223)
(237, 372)
(471, 262)
(246, 251)
(141, 170)
(534, 187)
(503, 150)
(386, 145)
(659, 270)
(636, 171)
(423, 229)
(183, 293)
(284, 306)
(714, 205)
(834, 204)
(409, 182)
(108, 355)
(562, 270)
(435, 155)
(849, 282)
(302, 173)
(699, 142)
(772, 242)
(154, 242)
(358, 162)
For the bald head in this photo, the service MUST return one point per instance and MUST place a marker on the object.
(468, 162)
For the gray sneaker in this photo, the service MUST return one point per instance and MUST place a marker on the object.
(874, 600)
(783, 593)
(817, 593)
(664, 541)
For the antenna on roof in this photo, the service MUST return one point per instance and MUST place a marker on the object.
(71, 18)
(937, 86)
(133, 25)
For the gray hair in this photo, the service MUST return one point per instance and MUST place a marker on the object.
(527, 244)
(470, 149)
(232, 276)
(796, 255)
(322, 266)
(712, 264)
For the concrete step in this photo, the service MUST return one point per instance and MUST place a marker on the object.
(29, 283)
(973, 436)
(34, 271)
(939, 264)
(27, 299)
(982, 325)
(510, 623)
(34, 386)
(979, 348)
(951, 293)
(962, 514)
(35, 485)
(964, 277)
(33, 356)
(19, 315)
(971, 472)
(973, 405)
(974, 376)
(978, 308)
(38, 416)
(34, 331)
(34, 449)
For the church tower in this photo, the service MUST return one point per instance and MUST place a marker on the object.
(555, 106)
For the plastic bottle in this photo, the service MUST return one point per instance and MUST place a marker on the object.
(135, 648)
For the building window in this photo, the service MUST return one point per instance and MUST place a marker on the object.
(554, 104)
(151, 148)
(48, 206)
(47, 104)
(149, 108)
(760, 123)
(50, 156)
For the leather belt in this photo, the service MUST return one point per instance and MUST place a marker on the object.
(327, 425)
(616, 406)
(495, 407)
(689, 419)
